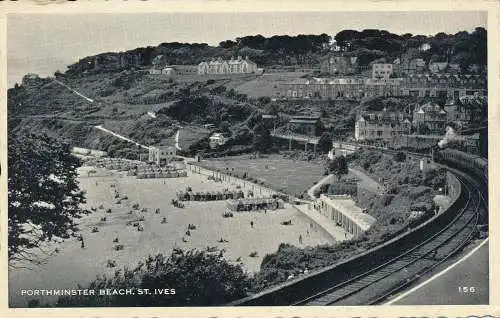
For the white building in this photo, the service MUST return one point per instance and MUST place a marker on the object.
(233, 66)
(217, 139)
(161, 155)
(382, 70)
(343, 211)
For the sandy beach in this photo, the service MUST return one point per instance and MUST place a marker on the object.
(73, 264)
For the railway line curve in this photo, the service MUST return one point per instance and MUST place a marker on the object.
(378, 274)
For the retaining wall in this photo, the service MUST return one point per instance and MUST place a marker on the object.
(293, 291)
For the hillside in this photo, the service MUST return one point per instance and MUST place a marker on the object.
(120, 95)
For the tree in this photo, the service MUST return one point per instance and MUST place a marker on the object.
(325, 142)
(200, 278)
(338, 166)
(225, 126)
(400, 156)
(44, 198)
(261, 139)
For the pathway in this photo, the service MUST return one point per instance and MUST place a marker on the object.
(74, 91)
(326, 224)
(326, 179)
(120, 136)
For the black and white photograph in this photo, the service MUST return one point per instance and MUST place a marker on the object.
(247, 159)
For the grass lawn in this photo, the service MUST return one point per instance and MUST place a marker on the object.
(268, 84)
(190, 134)
(290, 176)
(73, 264)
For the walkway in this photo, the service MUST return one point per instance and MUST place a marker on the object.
(120, 136)
(329, 226)
(366, 182)
(74, 91)
(326, 179)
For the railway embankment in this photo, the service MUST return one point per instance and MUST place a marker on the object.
(291, 291)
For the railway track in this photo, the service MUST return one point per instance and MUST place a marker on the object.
(379, 283)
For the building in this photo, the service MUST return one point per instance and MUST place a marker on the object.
(343, 211)
(341, 148)
(382, 126)
(416, 65)
(465, 112)
(185, 69)
(341, 88)
(418, 85)
(233, 66)
(438, 67)
(443, 85)
(161, 155)
(173, 70)
(382, 70)
(339, 65)
(217, 139)
(305, 124)
(429, 118)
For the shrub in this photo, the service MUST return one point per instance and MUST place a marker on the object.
(108, 210)
(400, 157)
(95, 229)
(115, 240)
(135, 206)
(254, 254)
(119, 247)
(101, 207)
(111, 263)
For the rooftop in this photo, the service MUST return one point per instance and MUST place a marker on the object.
(349, 208)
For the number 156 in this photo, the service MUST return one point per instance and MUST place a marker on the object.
(466, 289)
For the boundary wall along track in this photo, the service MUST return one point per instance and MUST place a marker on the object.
(380, 272)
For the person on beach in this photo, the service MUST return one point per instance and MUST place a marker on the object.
(300, 239)
(251, 224)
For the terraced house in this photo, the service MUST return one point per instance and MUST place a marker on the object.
(338, 88)
(382, 126)
(339, 64)
(444, 85)
(418, 85)
(429, 118)
(233, 66)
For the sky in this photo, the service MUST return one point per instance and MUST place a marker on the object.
(45, 43)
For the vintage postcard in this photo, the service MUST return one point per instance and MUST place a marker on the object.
(237, 159)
